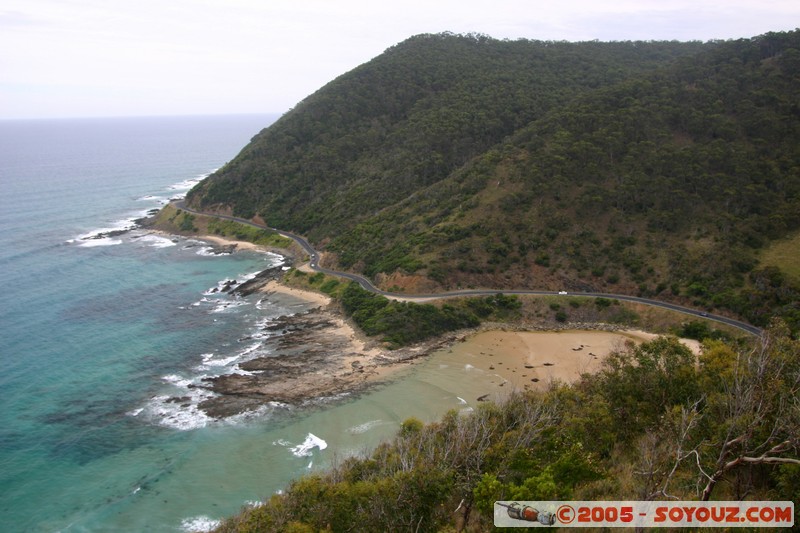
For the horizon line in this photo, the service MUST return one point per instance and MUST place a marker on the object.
(143, 116)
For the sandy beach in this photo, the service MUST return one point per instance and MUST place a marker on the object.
(240, 245)
(520, 360)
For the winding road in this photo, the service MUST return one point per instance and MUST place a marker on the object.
(367, 284)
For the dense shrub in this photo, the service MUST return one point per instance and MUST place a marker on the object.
(653, 424)
(403, 323)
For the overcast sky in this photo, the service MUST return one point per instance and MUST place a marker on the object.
(85, 58)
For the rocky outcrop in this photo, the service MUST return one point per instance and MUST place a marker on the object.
(259, 281)
(311, 356)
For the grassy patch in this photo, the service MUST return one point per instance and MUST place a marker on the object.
(243, 232)
(175, 220)
(784, 254)
(320, 282)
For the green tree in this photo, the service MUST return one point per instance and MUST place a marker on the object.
(640, 382)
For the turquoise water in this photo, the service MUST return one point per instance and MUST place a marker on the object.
(91, 327)
(98, 334)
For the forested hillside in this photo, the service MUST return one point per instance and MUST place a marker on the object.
(659, 169)
(408, 119)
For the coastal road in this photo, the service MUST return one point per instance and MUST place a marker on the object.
(367, 284)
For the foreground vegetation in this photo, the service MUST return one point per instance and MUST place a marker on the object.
(651, 424)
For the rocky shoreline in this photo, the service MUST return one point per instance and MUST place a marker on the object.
(314, 354)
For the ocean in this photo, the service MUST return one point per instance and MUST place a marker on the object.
(101, 331)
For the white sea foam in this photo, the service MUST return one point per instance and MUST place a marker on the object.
(178, 415)
(366, 426)
(218, 305)
(223, 305)
(178, 410)
(220, 286)
(254, 414)
(306, 448)
(247, 277)
(262, 335)
(157, 241)
(94, 242)
(250, 349)
(461, 400)
(187, 184)
(468, 367)
(236, 369)
(220, 362)
(207, 251)
(230, 283)
(106, 236)
(167, 412)
(160, 200)
(129, 222)
(260, 326)
(199, 524)
(323, 400)
(269, 320)
(122, 225)
(177, 380)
